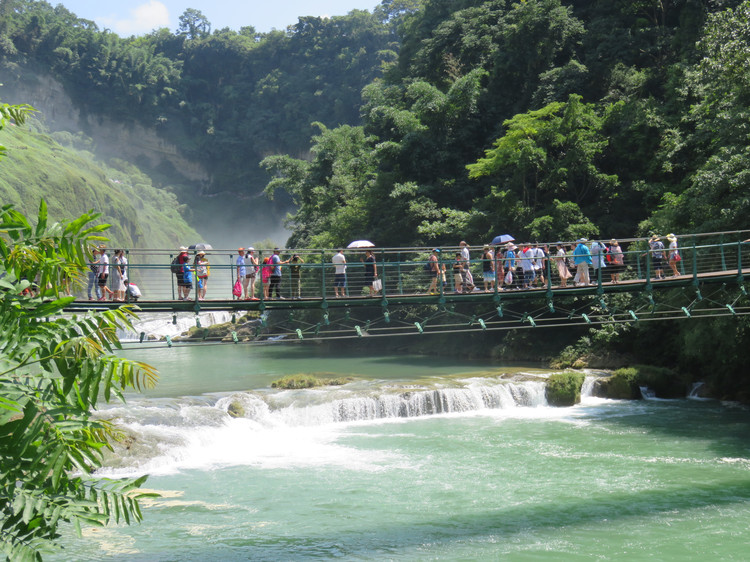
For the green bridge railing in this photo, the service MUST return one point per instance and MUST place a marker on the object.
(402, 274)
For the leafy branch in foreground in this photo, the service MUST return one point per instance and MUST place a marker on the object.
(53, 370)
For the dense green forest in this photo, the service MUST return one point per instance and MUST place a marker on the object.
(432, 121)
(72, 182)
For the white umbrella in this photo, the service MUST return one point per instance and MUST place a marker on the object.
(361, 244)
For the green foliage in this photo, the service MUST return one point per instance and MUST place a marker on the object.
(53, 371)
(551, 152)
(331, 192)
(625, 383)
(622, 385)
(292, 382)
(72, 182)
(564, 389)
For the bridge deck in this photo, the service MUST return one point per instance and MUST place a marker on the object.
(729, 277)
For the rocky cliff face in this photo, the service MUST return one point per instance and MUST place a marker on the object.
(131, 142)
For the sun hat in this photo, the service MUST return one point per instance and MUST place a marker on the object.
(240, 249)
(655, 237)
(613, 242)
(250, 249)
(183, 249)
(200, 253)
(671, 237)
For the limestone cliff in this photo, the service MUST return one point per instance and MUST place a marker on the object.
(129, 141)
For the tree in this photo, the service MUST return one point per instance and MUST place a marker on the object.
(331, 191)
(552, 152)
(53, 369)
(194, 24)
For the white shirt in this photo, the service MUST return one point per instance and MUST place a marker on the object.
(465, 254)
(539, 256)
(527, 260)
(339, 261)
(103, 262)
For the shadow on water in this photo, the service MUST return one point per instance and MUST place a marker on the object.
(504, 525)
(723, 428)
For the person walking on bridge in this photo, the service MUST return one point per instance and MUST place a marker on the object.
(434, 268)
(582, 258)
(488, 269)
(468, 281)
(562, 266)
(616, 260)
(339, 276)
(239, 263)
(674, 254)
(251, 263)
(185, 277)
(275, 284)
(202, 271)
(657, 255)
(102, 273)
(93, 269)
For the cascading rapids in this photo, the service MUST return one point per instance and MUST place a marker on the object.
(295, 408)
(157, 326)
(291, 427)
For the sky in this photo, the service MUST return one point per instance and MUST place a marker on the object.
(137, 17)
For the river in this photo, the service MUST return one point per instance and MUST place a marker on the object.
(419, 458)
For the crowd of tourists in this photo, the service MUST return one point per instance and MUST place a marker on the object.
(525, 266)
(108, 279)
(509, 266)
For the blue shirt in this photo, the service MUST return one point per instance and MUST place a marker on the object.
(582, 254)
(275, 259)
(241, 264)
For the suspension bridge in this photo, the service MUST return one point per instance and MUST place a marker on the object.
(710, 282)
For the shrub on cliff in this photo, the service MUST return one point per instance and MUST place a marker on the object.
(625, 383)
(564, 389)
(308, 381)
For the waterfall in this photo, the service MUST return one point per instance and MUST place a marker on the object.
(647, 393)
(157, 326)
(587, 388)
(284, 426)
(300, 408)
(696, 391)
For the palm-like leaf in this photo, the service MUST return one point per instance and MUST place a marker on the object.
(53, 371)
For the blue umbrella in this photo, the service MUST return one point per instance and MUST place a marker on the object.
(502, 239)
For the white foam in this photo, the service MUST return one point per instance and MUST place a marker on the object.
(303, 428)
(157, 326)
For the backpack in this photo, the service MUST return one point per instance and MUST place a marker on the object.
(427, 266)
(176, 267)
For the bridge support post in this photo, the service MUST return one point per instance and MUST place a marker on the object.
(400, 280)
(382, 273)
(323, 278)
(740, 276)
(548, 269)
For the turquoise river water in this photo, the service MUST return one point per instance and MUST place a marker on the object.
(418, 459)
